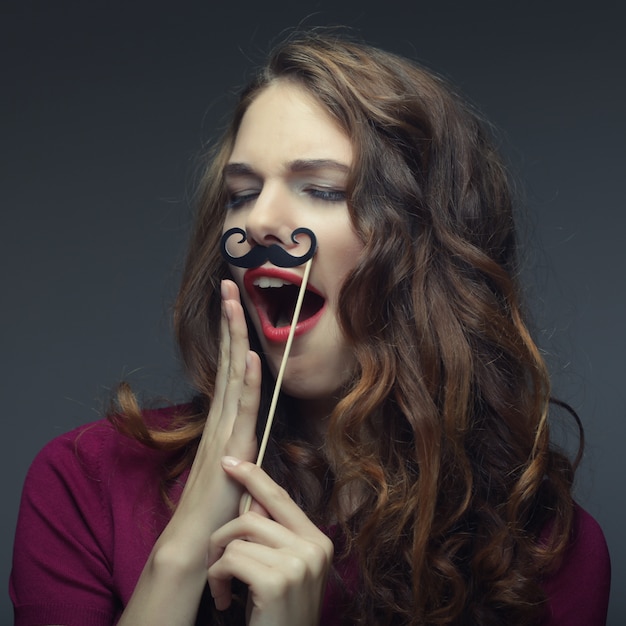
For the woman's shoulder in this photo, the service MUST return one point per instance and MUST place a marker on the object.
(589, 539)
(91, 510)
(97, 462)
(578, 591)
(92, 445)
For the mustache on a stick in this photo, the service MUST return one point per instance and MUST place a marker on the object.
(281, 258)
(258, 254)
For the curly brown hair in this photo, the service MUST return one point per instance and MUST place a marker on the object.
(443, 430)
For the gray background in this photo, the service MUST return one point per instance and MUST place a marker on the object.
(105, 107)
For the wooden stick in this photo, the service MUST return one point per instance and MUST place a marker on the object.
(279, 377)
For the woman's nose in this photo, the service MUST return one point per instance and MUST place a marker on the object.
(270, 220)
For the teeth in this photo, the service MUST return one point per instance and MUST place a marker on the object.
(265, 282)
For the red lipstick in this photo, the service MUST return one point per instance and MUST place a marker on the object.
(275, 304)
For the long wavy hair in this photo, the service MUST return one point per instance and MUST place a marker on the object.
(462, 504)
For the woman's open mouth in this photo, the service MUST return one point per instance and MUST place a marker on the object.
(274, 293)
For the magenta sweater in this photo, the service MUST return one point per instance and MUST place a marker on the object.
(91, 512)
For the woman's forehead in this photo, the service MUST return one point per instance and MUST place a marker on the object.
(284, 118)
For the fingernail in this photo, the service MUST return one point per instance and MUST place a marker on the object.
(223, 290)
(230, 461)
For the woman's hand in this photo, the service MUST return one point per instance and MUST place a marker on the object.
(170, 587)
(210, 498)
(284, 558)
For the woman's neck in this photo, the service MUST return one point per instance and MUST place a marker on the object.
(313, 416)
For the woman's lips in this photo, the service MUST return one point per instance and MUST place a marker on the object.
(261, 299)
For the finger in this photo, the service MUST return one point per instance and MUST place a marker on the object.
(268, 494)
(270, 574)
(236, 563)
(314, 548)
(254, 506)
(238, 350)
(243, 436)
(251, 527)
(224, 353)
(223, 363)
(261, 529)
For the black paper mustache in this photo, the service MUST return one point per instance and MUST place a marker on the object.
(274, 253)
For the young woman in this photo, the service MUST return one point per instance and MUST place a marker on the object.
(409, 477)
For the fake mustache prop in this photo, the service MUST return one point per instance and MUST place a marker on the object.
(276, 255)
(281, 258)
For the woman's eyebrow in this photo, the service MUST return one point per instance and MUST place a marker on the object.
(297, 166)
(305, 165)
(239, 169)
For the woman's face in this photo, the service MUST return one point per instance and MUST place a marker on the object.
(289, 169)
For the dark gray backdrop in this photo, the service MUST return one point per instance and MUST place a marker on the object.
(105, 107)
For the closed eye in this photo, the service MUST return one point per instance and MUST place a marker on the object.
(327, 195)
(241, 199)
